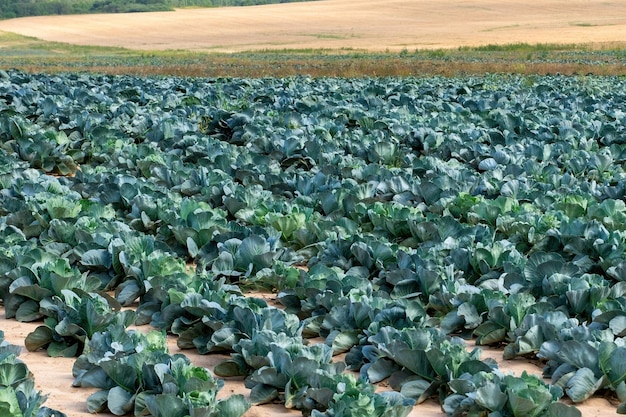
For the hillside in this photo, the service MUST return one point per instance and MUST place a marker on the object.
(11, 9)
(394, 25)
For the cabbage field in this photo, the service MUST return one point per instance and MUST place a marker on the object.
(394, 218)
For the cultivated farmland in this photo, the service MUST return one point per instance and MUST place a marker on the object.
(327, 246)
(391, 218)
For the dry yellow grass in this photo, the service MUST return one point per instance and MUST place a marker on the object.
(374, 25)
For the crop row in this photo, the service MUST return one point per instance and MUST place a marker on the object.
(393, 217)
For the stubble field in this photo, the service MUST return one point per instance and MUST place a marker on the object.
(342, 24)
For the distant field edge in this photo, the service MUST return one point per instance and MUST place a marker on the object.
(33, 55)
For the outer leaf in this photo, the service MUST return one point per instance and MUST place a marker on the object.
(97, 259)
(613, 362)
(470, 314)
(12, 373)
(124, 375)
(251, 251)
(63, 349)
(120, 401)
(491, 397)
(558, 409)
(97, 401)
(528, 401)
(9, 405)
(233, 406)
(192, 248)
(224, 264)
(618, 326)
(414, 360)
(48, 412)
(382, 369)
(490, 333)
(229, 368)
(342, 341)
(166, 406)
(583, 385)
(127, 292)
(38, 338)
(415, 388)
(28, 311)
(263, 394)
(580, 354)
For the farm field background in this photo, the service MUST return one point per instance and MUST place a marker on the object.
(341, 24)
(595, 40)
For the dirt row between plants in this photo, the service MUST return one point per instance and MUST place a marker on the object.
(373, 25)
(53, 376)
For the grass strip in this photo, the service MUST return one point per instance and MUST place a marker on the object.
(34, 55)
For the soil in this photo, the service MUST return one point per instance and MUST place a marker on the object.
(334, 24)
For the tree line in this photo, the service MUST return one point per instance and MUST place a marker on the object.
(10, 8)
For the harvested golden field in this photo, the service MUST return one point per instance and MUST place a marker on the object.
(355, 24)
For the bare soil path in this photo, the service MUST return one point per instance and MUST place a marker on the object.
(373, 25)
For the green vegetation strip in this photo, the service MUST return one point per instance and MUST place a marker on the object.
(394, 218)
(33, 55)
